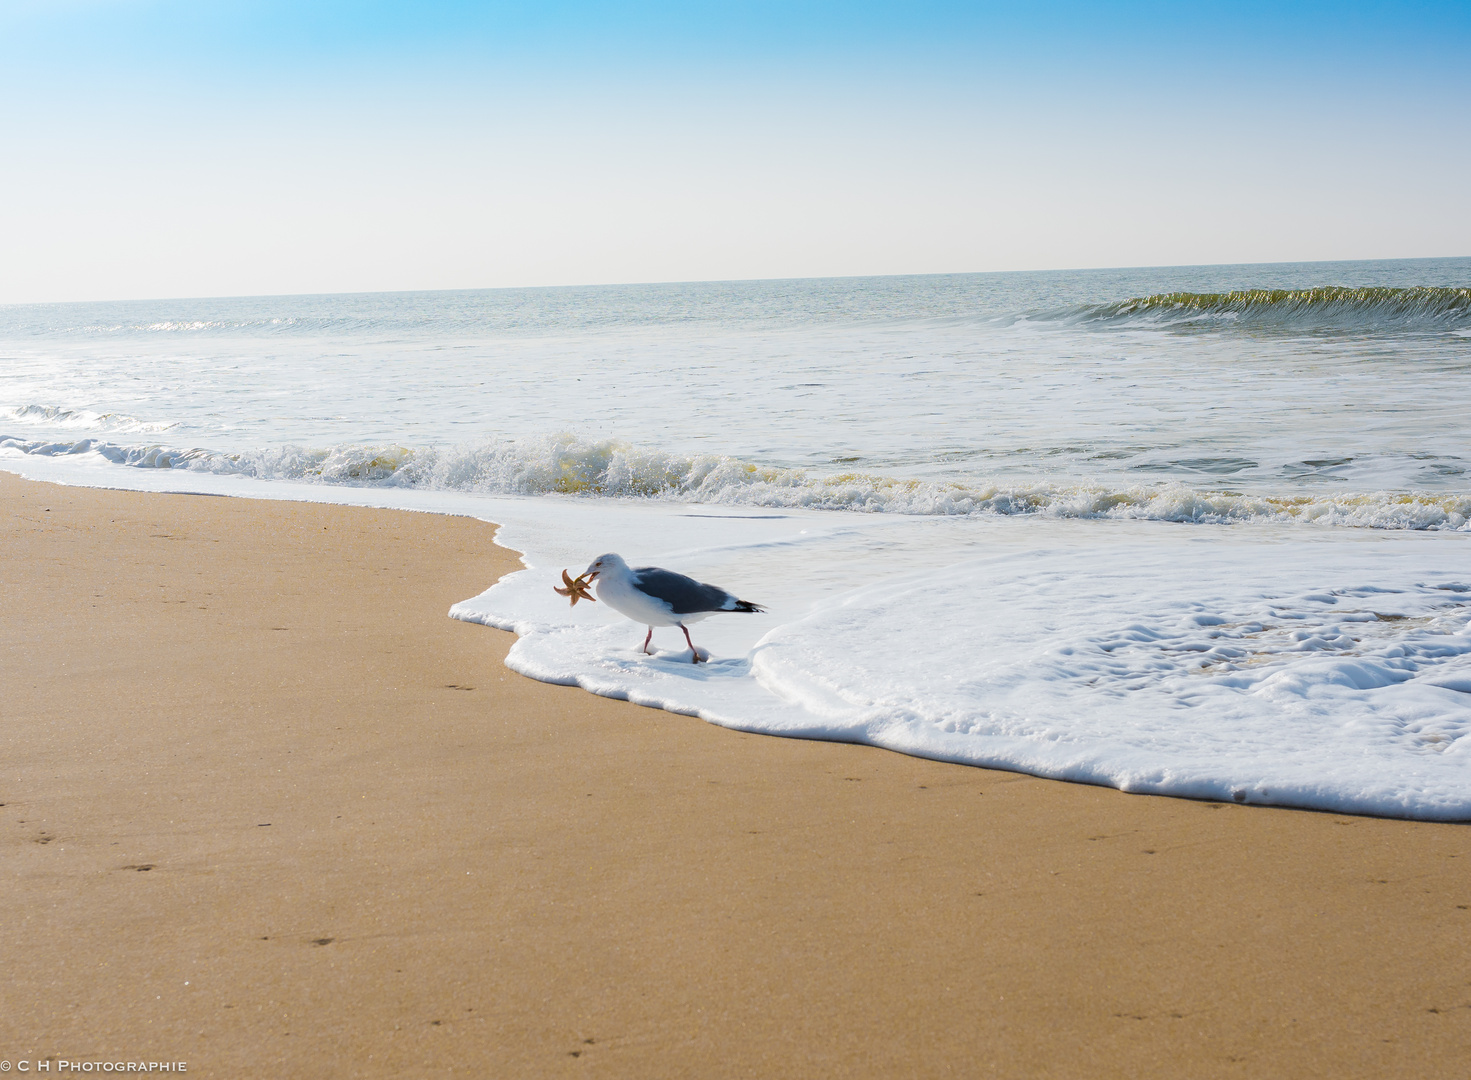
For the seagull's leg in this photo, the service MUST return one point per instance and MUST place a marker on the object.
(648, 639)
(693, 651)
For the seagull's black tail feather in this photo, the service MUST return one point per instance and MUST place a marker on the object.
(746, 605)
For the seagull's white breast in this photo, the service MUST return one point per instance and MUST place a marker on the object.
(618, 592)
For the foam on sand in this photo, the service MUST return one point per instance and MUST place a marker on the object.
(1329, 672)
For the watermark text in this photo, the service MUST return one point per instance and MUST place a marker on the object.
(55, 1066)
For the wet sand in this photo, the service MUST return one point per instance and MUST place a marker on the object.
(268, 811)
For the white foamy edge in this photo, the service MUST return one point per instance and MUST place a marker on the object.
(772, 688)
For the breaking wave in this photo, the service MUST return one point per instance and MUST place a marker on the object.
(84, 419)
(567, 465)
(1327, 308)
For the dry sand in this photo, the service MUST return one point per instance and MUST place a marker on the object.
(268, 811)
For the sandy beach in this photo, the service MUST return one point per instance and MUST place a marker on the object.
(266, 810)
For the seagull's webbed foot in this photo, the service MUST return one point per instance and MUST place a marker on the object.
(694, 652)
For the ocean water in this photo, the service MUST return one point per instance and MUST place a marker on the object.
(1194, 530)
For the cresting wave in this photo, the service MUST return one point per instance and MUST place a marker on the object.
(84, 419)
(566, 465)
(1326, 308)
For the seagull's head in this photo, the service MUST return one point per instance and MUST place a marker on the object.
(604, 564)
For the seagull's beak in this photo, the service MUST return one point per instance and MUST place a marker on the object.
(588, 575)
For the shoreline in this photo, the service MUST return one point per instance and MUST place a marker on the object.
(267, 808)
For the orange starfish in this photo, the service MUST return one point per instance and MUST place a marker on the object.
(576, 588)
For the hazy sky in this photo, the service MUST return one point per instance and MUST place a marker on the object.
(152, 149)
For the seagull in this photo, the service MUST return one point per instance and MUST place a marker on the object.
(658, 597)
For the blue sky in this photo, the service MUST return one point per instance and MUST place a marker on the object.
(173, 149)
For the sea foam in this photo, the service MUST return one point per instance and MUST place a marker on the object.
(1326, 672)
(609, 468)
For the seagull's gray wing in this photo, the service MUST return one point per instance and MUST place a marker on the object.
(684, 594)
